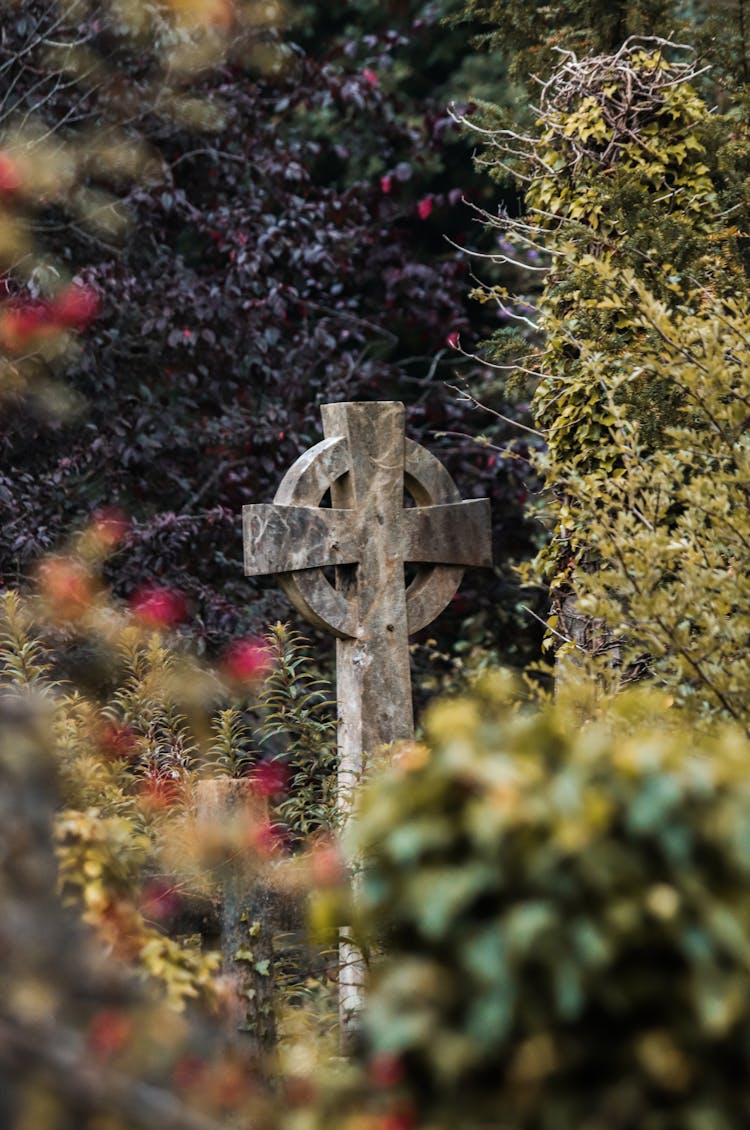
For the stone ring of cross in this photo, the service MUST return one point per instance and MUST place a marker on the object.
(368, 468)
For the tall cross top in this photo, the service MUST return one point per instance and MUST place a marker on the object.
(367, 464)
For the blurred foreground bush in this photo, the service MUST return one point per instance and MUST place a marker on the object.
(84, 1046)
(566, 915)
(142, 735)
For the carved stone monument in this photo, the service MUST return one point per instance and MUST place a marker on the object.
(368, 468)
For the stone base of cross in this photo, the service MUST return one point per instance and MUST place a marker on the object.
(368, 468)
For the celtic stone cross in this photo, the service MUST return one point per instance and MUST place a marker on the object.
(368, 465)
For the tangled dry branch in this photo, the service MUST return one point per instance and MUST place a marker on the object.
(628, 89)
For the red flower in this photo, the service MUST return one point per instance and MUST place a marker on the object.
(158, 607)
(371, 77)
(247, 661)
(453, 340)
(20, 324)
(270, 778)
(10, 180)
(424, 208)
(386, 184)
(76, 306)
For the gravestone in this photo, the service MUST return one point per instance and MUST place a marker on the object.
(367, 469)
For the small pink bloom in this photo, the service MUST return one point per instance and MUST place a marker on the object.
(247, 660)
(424, 207)
(386, 184)
(453, 340)
(269, 778)
(158, 607)
(370, 76)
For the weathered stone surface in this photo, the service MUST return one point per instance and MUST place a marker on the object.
(280, 539)
(366, 463)
(456, 534)
(294, 537)
(246, 920)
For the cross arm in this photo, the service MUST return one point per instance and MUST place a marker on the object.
(283, 539)
(457, 533)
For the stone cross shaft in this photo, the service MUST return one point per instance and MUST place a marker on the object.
(368, 467)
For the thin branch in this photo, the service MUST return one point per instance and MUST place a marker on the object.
(465, 395)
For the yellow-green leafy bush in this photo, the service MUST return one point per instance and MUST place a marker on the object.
(566, 912)
(638, 193)
(668, 533)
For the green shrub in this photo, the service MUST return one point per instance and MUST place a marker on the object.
(566, 912)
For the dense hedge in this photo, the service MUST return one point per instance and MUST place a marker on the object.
(565, 915)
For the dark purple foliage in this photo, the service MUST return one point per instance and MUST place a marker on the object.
(268, 272)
